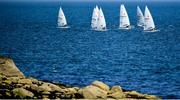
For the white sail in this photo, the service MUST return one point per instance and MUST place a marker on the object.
(61, 18)
(101, 25)
(148, 23)
(124, 18)
(95, 17)
(140, 17)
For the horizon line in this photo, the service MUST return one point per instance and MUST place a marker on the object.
(88, 1)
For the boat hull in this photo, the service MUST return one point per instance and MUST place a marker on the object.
(100, 30)
(126, 28)
(139, 25)
(151, 31)
(63, 27)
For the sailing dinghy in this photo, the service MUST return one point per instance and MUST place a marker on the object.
(94, 20)
(62, 23)
(149, 25)
(124, 18)
(101, 23)
(140, 17)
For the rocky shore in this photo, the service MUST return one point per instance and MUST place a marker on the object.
(13, 84)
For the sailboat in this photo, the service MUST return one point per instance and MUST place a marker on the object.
(124, 18)
(140, 17)
(101, 23)
(95, 17)
(62, 23)
(148, 22)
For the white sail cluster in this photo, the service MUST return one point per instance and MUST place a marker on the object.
(146, 21)
(94, 20)
(98, 21)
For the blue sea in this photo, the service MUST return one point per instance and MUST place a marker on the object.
(136, 60)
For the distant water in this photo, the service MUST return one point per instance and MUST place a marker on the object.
(145, 62)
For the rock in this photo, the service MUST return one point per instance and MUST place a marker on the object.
(25, 81)
(72, 90)
(22, 93)
(8, 68)
(34, 87)
(35, 98)
(78, 96)
(115, 99)
(80, 91)
(27, 86)
(8, 94)
(2, 77)
(45, 87)
(46, 93)
(58, 94)
(151, 97)
(100, 85)
(116, 89)
(134, 94)
(57, 99)
(8, 82)
(76, 88)
(38, 89)
(93, 92)
(45, 98)
(53, 87)
(68, 96)
(14, 80)
(116, 93)
(3, 85)
(19, 85)
(35, 81)
(65, 90)
(13, 84)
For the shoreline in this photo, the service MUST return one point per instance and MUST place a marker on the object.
(14, 85)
